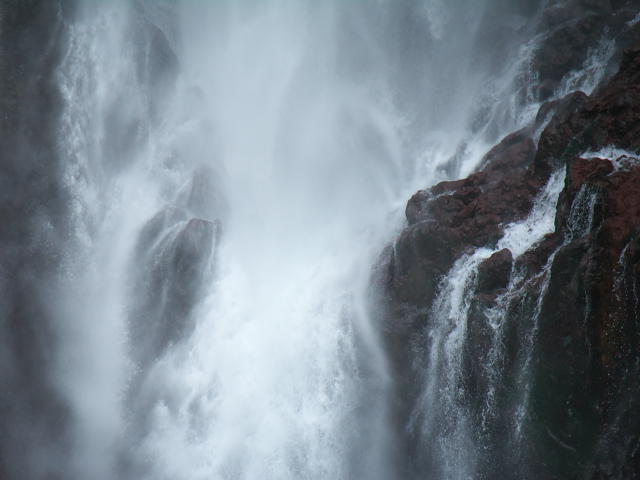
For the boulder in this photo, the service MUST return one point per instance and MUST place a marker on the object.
(176, 256)
(494, 272)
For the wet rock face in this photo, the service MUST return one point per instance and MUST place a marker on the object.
(554, 138)
(33, 415)
(588, 334)
(570, 333)
(609, 117)
(494, 272)
(176, 257)
(452, 217)
(588, 338)
(571, 30)
(566, 47)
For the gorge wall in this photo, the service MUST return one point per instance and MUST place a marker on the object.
(513, 322)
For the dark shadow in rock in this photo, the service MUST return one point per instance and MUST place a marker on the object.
(175, 257)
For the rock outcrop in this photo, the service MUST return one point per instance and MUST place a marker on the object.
(34, 213)
(568, 328)
(572, 31)
(176, 255)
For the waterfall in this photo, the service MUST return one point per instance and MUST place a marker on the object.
(232, 171)
(444, 411)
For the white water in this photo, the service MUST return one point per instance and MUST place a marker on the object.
(587, 78)
(295, 117)
(445, 421)
(622, 160)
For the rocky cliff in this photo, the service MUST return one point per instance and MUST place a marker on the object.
(33, 208)
(538, 363)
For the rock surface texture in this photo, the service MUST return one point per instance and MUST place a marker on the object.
(551, 345)
(33, 208)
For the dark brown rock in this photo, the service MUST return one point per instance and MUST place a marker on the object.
(452, 216)
(514, 151)
(494, 272)
(567, 45)
(555, 138)
(580, 171)
(609, 117)
(559, 110)
(578, 287)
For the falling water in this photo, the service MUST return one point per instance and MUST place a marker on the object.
(444, 413)
(233, 169)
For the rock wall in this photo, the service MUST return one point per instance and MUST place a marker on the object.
(563, 401)
(33, 209)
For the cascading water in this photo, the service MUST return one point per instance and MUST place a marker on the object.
(445, 415)
(232, 172)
